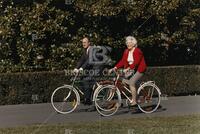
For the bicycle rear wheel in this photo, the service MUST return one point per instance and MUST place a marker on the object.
(107, 100)
(65, 99)
(148, 98)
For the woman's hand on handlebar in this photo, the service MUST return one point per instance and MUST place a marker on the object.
(126, 70)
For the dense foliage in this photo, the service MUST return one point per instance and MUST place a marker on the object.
(45, 34)
(18, 88)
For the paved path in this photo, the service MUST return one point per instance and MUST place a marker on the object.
(29, 114)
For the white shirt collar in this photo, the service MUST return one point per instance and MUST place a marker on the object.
(87, 51)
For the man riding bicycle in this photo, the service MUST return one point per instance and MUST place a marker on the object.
(87, 80)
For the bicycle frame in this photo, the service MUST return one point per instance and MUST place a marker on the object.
(79, 90)
(127, 89)
(140, 88)
(72, 89)
(146, 97)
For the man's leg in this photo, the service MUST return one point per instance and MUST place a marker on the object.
(88, 84)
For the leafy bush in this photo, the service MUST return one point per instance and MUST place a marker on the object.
(44, 35)
(17, 88)
(177, 80)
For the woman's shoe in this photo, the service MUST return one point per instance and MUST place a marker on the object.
(133, 104)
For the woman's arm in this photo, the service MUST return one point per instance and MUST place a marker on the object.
(121, 62)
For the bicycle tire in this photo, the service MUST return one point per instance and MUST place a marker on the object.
(148, 97)
(65, 99)
(102, 98)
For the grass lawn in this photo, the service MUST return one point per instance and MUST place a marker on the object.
(189, 124)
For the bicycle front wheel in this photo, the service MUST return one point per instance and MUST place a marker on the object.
(148, 98)
(65, 99)
(107, 100)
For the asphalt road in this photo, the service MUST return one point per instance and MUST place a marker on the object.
(29, 114)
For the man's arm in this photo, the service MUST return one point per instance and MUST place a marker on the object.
(85, 63)
(80, 62)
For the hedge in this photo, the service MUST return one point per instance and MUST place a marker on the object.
(176, 80)
(19, 88)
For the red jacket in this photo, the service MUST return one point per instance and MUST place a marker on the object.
(138, 63)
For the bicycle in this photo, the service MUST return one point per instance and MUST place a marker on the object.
(66, 98)
(108, 98)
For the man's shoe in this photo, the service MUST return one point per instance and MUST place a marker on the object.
(88, 102)
(91, 109)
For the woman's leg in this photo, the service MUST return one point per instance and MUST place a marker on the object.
(132, 85)
(133, 93)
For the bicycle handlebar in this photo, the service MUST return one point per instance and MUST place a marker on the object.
(120, 73)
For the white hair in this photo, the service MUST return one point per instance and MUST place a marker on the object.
(132, 39)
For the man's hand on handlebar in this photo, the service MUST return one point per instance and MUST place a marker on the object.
(76, 71)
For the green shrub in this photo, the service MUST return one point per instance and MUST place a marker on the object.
(177, 80)
(17, 88)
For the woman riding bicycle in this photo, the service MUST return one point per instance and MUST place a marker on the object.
(132, 60)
